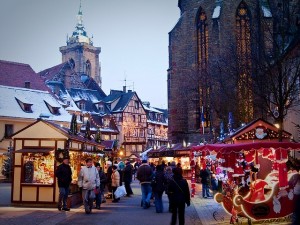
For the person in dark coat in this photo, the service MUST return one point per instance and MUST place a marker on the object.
(158, 187)
(144, 175)
(168, 178)
(179, 196)
(100, 195)
(205, 180)
(64, 178)
(108, 181)
(127, 178)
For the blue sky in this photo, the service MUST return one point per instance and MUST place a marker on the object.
(132, 34)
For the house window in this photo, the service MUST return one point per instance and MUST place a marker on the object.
(101, 108)
(9, 130)
(81, 105)
(142, 133)
(106, 122)
(133, 118)
(140, 118)
(25, 105)
(136, 104)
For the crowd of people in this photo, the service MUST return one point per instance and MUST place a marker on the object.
(94, 181)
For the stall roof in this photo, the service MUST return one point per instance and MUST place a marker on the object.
(64, 131)
(227, 148)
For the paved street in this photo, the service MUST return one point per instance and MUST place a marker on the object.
(127, 211)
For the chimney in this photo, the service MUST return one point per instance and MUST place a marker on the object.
(27, 84)
(124, 89)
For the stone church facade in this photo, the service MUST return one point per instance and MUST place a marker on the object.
(213, 52)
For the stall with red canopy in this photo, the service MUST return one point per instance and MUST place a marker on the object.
(260, 177)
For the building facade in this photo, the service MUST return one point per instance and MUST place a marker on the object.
(157, 126)
(214, 50)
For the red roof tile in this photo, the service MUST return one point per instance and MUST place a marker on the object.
(16, 74)
(48, 74)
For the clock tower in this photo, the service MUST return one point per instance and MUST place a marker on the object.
(80, 52)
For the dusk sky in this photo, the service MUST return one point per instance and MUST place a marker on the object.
(132, 34)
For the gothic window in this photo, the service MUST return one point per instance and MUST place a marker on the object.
(88, 68)
(243, 38)
(202, 39)
(202, 55)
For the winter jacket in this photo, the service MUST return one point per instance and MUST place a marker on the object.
(205, 176)
(127, 173)
(102, 177)
(179, 192)
(88, 178)
(115, 179)
(144, 173)
(64, 175)
(159, 181)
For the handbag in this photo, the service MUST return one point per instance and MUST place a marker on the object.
(120, 192)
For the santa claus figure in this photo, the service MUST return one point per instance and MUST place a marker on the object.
(260, 132)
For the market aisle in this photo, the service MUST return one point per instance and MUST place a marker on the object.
(127, 211)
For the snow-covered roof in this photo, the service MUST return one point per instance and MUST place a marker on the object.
(9, 107)
(216, 13)
(151, 109)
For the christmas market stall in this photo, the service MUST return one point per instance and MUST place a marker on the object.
(38, 149)
(258, 179)
(178, 153)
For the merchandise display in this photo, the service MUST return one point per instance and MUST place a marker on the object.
(38, 168)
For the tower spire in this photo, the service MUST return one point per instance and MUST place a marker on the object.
(80, 35)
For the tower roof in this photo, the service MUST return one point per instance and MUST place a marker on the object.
(79, 35)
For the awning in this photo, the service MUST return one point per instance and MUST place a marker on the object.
(34, 150)
(228, 148)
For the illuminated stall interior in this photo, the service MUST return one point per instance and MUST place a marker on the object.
(39, 149)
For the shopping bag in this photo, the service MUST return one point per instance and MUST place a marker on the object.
(120, 192)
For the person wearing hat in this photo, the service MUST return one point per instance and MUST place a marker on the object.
(64, 178)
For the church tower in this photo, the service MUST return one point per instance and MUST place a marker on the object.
(81, 53)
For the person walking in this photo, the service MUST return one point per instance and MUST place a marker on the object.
(100, 195)
(135, 168)
(158, 187)
(179, 196)
(127, 178)
(88, 180)
(64, 178)
(168, 178)
(115, 182)
(205, 180)
(108, 177)
(144, 175)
